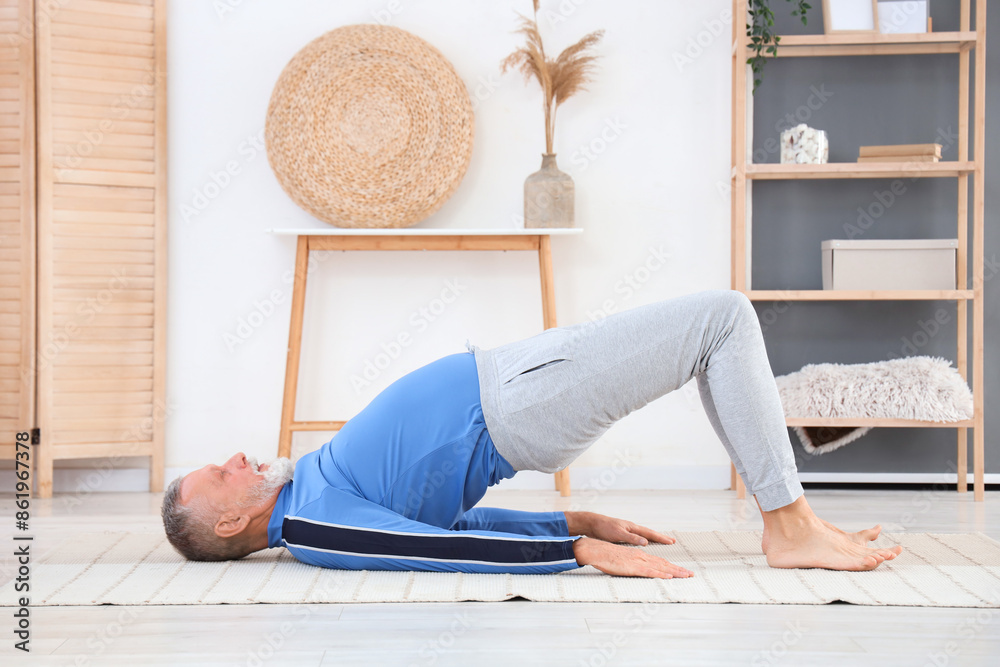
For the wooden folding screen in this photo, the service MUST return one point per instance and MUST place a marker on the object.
(101, 210)
(17, 221)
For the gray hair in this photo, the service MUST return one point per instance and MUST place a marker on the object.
(191, 529)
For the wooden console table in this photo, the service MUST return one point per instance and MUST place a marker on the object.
(402, 239)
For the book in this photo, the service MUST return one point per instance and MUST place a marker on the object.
(900, 149)
(899, 158)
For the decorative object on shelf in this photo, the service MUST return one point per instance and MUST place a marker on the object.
(916, 388)
(904, 16)
(804, 145)
(908, 264)
(548, 196)
(369, 126)
(854, 16)
(762, 38)
(900, 153)
(549, 193)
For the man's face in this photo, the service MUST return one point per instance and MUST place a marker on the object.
(224, 485)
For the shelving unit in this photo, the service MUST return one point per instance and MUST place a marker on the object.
(789, 172)
(744, 172)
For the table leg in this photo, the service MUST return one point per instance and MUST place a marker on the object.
(44, 468)
(294, 347)
(978, 448)
(736, 482)
(549, 320)
(962, 461)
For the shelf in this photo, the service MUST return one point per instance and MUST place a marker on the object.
(774, 172)
(860, 295)
(425, 231)
(792, 46)
(870, 421)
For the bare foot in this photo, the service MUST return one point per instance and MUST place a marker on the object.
(814, 544)
(862, 537)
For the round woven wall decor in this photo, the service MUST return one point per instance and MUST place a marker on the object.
(369, 126)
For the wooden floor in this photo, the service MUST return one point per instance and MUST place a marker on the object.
(519, 632)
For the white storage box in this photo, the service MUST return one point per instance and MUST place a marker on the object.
(890, 265)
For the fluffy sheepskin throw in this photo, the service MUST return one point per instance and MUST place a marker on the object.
(924, 388)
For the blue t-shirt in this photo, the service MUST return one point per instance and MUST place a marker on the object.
(395, 489)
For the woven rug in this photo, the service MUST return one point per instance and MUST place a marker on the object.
(934, 570)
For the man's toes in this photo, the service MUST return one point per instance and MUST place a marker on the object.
(876, 554)
(887, 553)
(871, 562)
(872, 533)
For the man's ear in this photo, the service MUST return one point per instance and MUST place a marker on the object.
(230, 524)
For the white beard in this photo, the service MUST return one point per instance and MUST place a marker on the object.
(279, 472)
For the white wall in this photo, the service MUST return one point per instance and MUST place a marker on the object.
(654, 184)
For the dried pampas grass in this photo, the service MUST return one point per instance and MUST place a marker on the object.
(560, 77)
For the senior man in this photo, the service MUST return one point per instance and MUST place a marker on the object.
(396, 488)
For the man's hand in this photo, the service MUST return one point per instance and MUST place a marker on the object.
(624, 561)
(610, 529)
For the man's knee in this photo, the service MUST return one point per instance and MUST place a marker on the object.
(730, 302)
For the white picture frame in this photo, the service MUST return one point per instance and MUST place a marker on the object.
(850, 16)
(903, 16)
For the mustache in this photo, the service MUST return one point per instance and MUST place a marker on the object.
(278, 473)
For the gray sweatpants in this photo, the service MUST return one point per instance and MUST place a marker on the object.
(549, 397)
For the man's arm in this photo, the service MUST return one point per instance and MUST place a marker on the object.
(561, 524)
(515, 521)
(344, 531)
(610, 529)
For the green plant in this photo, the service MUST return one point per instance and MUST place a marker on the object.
(760, 31)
